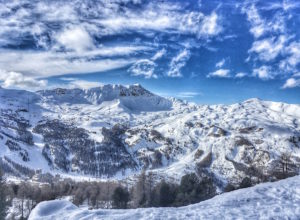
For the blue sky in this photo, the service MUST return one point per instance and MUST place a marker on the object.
(206, 51)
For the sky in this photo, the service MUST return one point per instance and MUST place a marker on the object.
(205, 51)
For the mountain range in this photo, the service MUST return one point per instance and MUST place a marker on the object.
(117, 132)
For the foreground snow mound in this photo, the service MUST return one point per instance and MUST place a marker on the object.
(277, 200)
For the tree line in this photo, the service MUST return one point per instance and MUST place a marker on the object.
(148, 190)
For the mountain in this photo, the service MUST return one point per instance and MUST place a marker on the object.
(277, 200)
(133, 97)
(116, 131)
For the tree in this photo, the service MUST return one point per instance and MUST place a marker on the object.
(194, 189)
(285, 159)
(167, 194)
(139, 194)
(22, 193)
(286, 167)
(3, 197)
(120, 198)
(246, 182)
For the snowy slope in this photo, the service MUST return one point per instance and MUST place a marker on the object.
(277, 200)
(115, 131)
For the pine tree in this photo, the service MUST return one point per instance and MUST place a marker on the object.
(3, 201)
(120, 198)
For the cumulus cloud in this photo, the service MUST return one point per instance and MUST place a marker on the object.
(268, 49)
(144, 68)
(263, 72)
(222, 73)
(291, 83)
(178, 62)
(75, 38)
(18, 80)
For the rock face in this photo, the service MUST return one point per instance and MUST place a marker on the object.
(115, 131)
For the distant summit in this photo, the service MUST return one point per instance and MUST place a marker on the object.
(133, 97)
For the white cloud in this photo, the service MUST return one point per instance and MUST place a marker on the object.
(75, 38)
(292, 59)
(296, 74)
(18, 80)
(71, 82)
(264, 72)
(106, 51)
(162, 17)
(68, 78)
(83, 84)
(223, 73)
(268, 49)
(75, 27)
(260, 26)
(240, 75)
(144, 68)
(188, 94)
(45, 64)
(291, 83)
(220, 63)
(178, 62)
(106, 18)
(159, 54)
(210, 25)
(286, 5)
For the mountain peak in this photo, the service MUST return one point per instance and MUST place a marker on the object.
(133, 97)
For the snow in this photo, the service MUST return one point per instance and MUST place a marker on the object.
(277, 200)
(138, 108)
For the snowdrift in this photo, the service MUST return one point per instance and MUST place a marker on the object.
(277, 200)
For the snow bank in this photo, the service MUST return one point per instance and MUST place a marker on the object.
(278, 200)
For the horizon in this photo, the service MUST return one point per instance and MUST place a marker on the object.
(207, 52)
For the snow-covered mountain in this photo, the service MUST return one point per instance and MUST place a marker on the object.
(277, 200)
(116, 131)
(133, 97)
